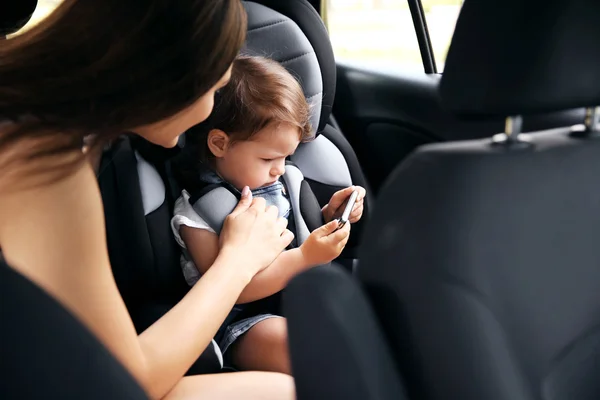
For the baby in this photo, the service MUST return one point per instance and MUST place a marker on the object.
(259, 119)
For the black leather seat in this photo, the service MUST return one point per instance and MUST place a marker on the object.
(483, 262)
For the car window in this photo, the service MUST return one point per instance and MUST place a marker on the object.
(380, 34)
(43, 9)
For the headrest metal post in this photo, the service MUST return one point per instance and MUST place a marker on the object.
(590, 127)
(512, 136)
(513, 126)
(592, 119)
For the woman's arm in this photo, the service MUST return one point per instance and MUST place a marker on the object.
(176, 340)
(204, 248)
(55, 235)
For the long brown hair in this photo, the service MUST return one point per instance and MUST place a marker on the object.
(107, 66)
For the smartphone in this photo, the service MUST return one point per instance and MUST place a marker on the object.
(343, 220)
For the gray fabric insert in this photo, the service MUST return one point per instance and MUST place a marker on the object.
(151, 185)
(273, 35)
(321, 161)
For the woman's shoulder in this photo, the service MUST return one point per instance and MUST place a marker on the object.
(42, 173)
(37, 185)
(57, 220)
(31, 155)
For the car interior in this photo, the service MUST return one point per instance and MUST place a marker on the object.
(474, 272)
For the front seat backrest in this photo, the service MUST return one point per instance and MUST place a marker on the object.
(48, 354)
(483, 261)
(337, 347)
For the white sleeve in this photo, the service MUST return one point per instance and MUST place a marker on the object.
(184, 214)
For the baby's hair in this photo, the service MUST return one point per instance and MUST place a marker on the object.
(261, 92)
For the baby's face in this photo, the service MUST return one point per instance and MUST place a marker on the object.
(260, 161)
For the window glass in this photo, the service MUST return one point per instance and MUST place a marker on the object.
(441, 16)
(380, 34)
(43, 9)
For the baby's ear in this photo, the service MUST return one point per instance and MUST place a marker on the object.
(217, 142)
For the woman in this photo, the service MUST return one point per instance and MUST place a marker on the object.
(96, 70)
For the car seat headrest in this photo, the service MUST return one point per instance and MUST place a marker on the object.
(15, 14)
(281, 32)
(515, 57)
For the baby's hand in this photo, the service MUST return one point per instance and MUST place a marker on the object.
(338, 201)
(325, 244)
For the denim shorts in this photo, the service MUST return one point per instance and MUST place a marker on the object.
(236, 329)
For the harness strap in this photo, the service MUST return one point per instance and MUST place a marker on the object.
(293, 179)
(214, 205)
(213, 202)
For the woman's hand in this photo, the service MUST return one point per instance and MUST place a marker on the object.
(325, 243)
(253, 234)
(336, 205)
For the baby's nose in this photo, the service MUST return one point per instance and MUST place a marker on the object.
(278, 170)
